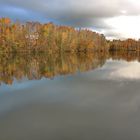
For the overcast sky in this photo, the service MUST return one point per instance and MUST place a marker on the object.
(114, 18)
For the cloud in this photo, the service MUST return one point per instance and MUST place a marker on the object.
(78, 9)
(81, 13)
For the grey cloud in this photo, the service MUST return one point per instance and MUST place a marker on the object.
(77, 9)
(77, 13)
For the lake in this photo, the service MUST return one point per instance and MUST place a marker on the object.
(70, 96)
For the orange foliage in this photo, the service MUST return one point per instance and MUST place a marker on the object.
(34, 36)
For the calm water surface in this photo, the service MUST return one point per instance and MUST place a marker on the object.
(82, 99)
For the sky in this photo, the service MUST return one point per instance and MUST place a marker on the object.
(117, 19)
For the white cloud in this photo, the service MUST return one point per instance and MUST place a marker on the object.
(127, 26)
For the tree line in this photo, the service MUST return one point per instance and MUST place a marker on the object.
(48, 37)
(34, 36)
(125, 45)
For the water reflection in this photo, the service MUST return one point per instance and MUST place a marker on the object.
(126, 71)
(91, 105)
(35, 66)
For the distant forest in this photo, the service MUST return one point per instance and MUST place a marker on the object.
(37, 37)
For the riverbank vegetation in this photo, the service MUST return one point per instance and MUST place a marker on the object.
(34, 36)
(124, 45)
(37, 37)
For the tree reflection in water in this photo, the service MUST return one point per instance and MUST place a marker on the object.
(36, 66)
